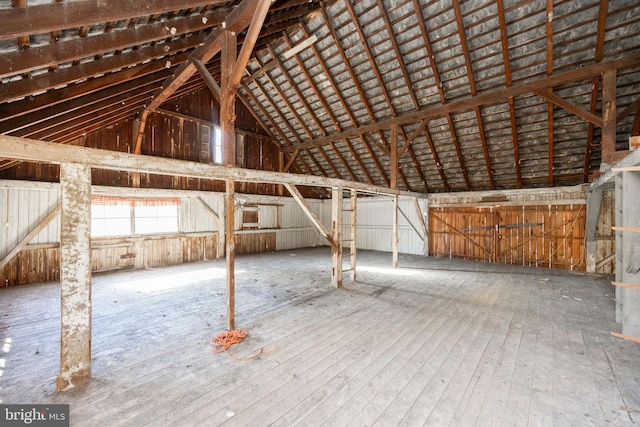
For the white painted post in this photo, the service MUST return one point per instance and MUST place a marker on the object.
(336, 231)
(75, 276)
(352, 248)
(395, 232)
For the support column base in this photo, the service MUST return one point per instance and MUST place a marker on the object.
(68, 380)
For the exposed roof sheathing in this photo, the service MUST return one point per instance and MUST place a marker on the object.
(420, 64)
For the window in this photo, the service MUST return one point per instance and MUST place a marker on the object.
(260, 217)
(110, 220)
(217, 145)
(120, 216)
(156, 219)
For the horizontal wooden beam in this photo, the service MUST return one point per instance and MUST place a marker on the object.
(626, 285)
(491, 97)
(628, 229)
(45, 18)
(46, 152)
(37, 57)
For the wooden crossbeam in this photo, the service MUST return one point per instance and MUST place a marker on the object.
(306, 208)
(33, 233)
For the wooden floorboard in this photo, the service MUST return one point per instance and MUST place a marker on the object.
(434, 342)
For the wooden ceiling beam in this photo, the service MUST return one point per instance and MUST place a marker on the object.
(46, 18)
(354, 78)
(512, 109)
(122, 92)
(436, 74)
(38, 57)
(472, 86)
(549, 90)
(487, 98)
(84, 71)
(238, 20)
(383, 86)
(45, 152)
(570, 107)
(347, 110)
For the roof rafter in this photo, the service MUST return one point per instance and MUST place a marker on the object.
(595, 84)
(241, 17)
(550, 131)
(46, 18)
(383, 86)
(512, 109)
(303, 99)
(345, 106)
(358, 87)
(474, 92)
(36, 57)
(329, 112)
(436, 75)
(486, 98)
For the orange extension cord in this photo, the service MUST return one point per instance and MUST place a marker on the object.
(226, 339)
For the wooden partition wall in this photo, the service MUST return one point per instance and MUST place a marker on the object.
(544, 236)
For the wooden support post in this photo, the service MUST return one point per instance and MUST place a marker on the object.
(230, 254)
(395, 232)
(336, 235)
(228, 101)
(221, 227)
(608, 115)
(281, 169)
(75, 276)
(352, 248)
(594, 200)
(393, 154)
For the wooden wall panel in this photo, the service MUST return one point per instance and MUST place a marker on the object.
(544, 236)
(605, 236)
(255, 242)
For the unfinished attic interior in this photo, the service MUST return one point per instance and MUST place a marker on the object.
(423, 212)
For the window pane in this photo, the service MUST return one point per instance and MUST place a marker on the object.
(217, 145)
(156, 219)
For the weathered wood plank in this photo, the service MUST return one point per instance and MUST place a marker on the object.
(75, 276)
(40, 151)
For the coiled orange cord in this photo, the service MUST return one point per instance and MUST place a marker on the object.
(226, 339)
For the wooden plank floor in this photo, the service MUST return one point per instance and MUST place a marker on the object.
(434, 342)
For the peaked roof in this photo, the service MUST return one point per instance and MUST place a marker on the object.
(477, 95)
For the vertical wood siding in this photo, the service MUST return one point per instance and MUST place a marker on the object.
(543, 236)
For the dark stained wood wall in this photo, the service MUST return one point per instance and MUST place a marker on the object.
(172, 137)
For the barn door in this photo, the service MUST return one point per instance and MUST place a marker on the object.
(549, 236)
